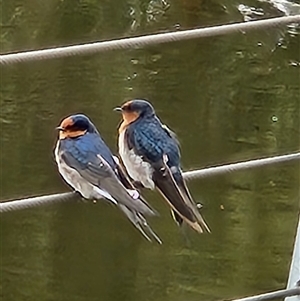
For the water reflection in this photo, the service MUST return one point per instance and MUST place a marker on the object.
(219, 94)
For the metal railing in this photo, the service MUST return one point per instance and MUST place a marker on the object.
(294, 275)
(142, 41)
(12, 205)
(273, 295)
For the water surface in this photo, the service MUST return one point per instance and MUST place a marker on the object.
(228, 98)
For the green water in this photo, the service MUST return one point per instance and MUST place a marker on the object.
(228, 98)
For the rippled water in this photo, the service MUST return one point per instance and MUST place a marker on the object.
(228, 98)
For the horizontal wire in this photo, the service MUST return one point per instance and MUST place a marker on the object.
(228, 168)
(273, 295)
(12, 205)
(142, 41)
(35, 201)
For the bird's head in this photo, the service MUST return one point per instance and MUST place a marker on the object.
(133, 109)
(74, 126)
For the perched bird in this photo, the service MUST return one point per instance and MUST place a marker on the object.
(86, 164)
(151, 155)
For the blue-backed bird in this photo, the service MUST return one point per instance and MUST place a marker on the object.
(87, 164)
(150, 153)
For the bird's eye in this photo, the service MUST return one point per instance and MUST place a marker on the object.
(127, 107)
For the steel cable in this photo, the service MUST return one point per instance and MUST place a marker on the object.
(228, 168)
(36, 201)
(6, 206)
(142, 41)
(273, 295)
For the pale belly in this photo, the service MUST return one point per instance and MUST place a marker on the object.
(78, 183)
(137, 169)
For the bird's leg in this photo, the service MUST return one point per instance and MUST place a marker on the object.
(133, 193)
(199, 206)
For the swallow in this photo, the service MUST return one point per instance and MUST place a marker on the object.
(86, 163)
(150, 153)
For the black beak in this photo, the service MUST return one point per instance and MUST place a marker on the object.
(59, 128)
(118, 109)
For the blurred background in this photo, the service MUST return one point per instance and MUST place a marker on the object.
(229, 98)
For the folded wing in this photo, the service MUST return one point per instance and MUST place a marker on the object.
(96, 170)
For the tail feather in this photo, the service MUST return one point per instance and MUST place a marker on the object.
(143, 221)
(166, 185)
(176, 217)
(178, 197)
(191, 204)
(193, 223)
(113, 186)
(139, 221)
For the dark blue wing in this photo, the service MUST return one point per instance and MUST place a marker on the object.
(151, 140)
(85, 154)
(93, 160)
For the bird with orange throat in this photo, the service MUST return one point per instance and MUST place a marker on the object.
(150, 153)
(88, 166)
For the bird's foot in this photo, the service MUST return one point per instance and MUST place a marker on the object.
(133, 193)
(199, 206)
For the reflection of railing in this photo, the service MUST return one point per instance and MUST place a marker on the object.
(142, 41)
(189, 175)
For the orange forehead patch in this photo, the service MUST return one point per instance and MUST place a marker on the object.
(67, 122)
(127, 103)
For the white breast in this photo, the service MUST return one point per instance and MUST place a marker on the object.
(75, 180)
(138, 169)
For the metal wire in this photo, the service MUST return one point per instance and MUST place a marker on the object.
(273, 295)
(143, 41)
(36, 201)
(218, 170)
(6, 206)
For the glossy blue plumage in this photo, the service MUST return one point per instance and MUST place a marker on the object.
(78, 152)
(151, 140)
(150, 152)
(87, 164)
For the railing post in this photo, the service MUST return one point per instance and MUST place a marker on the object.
(294, 276)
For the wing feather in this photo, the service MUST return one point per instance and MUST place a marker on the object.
(96, 170)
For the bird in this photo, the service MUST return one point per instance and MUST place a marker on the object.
(86, 163)
(150, 152)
